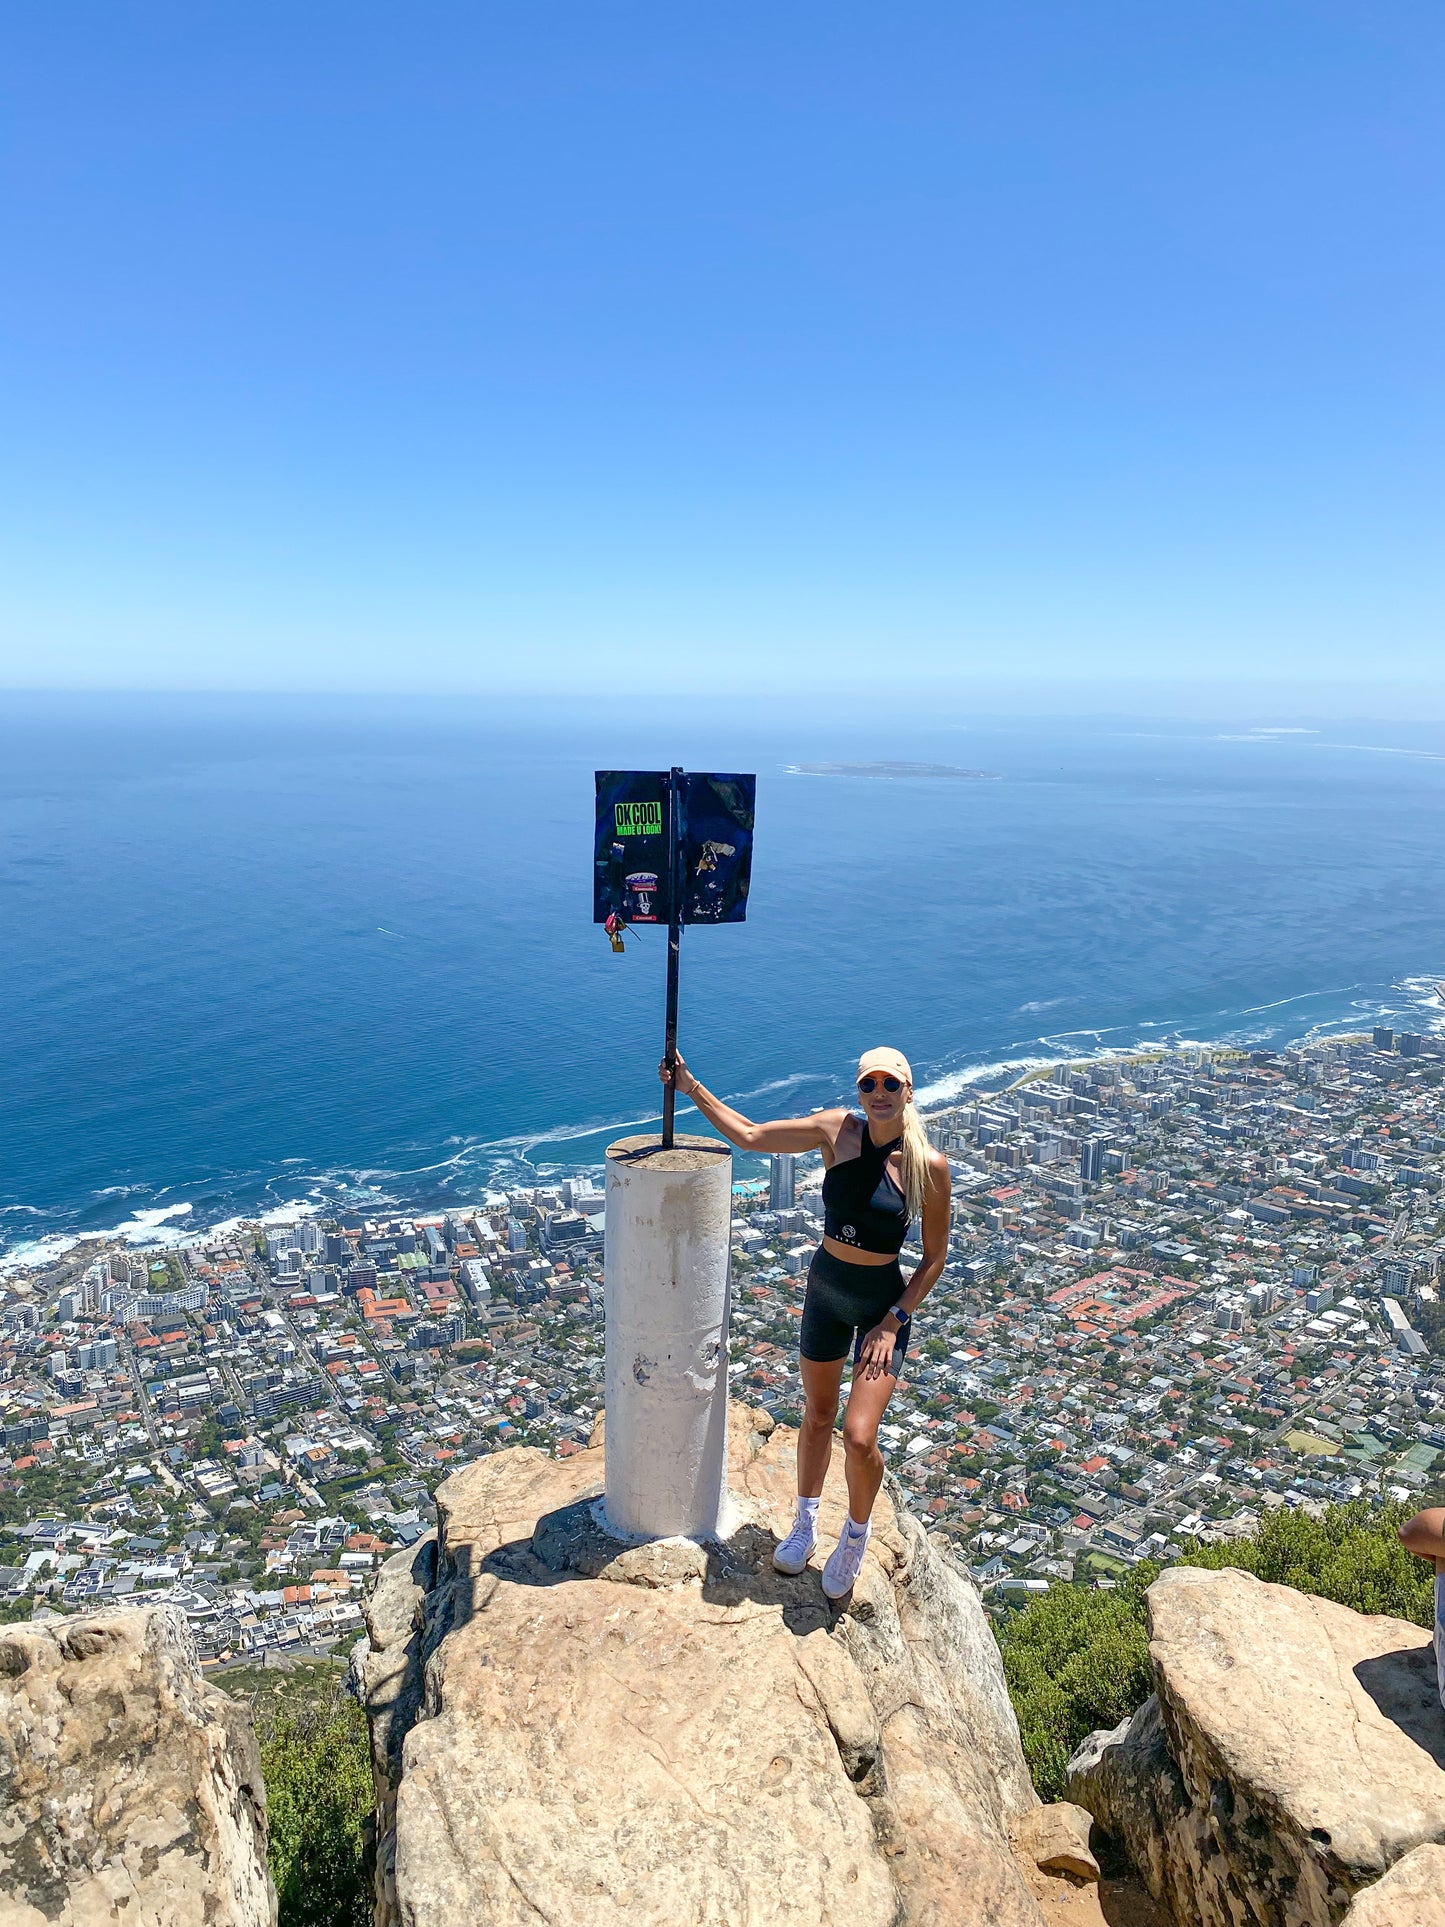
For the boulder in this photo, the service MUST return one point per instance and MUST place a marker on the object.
(130, 1789)
(666, 1731)
(1056, 1839)
(1127, 1779)
(1411, 1894)
(1293, 1752)
(387, 1674)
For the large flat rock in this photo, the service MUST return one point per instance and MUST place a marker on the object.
(671, 1733)
(130, 1789)
(1294, 1752)
(606, 1752)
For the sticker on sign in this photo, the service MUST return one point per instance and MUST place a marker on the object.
(638, 819)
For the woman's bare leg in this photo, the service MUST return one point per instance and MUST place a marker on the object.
(820, 1412)
(867, 1402)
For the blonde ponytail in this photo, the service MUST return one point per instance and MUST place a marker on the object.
(915, 1152)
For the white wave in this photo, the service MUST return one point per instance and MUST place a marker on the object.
(1384, 749)
(564, 1133)
(1300, 996)
(38, 1251)
(145, 1230)
(943, 1089)
(787, 1083)
(1426, 988)
(30, 1210)
(1039, 1004)
(366, 1173)
(1263, 735)
(144, 1222)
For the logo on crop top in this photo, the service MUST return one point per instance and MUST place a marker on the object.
(848, 1234)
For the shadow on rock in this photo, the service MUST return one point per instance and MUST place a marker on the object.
(1404, 1687)
(570, 1544)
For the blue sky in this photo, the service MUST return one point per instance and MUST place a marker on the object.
(934, 348)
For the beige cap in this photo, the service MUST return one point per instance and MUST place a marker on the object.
(891, 1062)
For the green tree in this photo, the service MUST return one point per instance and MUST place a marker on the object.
(1077, 1659)
(1352, 1555)
(317, 1766)
(1429, 1317)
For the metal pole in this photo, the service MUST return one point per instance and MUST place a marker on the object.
(674, 944)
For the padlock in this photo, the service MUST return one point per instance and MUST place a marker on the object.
(614, 927)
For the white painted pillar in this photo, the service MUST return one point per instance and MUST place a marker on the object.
(669, 1223)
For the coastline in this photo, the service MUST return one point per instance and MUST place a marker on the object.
(164, 1217)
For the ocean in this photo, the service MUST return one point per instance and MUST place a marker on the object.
(261, 954)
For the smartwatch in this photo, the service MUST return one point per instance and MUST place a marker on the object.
(903, 1317)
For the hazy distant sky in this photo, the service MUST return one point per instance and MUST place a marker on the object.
(604, 345)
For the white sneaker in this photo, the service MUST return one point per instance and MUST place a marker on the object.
(796, 1550)
(845, 1562)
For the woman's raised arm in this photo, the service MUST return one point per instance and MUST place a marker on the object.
(815, 1133)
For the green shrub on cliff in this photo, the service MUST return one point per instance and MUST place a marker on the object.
(1077, 1659)
(1353, 1555)
(317, 1766)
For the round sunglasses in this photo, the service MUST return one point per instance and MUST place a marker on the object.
(870, 1084)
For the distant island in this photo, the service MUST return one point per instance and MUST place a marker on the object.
(893, 772)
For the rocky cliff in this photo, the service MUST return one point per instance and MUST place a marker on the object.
(130, 1790)
(1291, 1758)
(565, 1730)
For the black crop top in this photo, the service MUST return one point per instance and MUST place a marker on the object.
(862, 1204)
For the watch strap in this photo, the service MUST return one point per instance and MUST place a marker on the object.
(903, 1317)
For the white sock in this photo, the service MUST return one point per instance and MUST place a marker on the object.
(857, 1530)
(808, 1512)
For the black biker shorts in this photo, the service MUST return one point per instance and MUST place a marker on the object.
(842, 1305)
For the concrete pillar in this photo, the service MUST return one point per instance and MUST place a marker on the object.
(669, 1221)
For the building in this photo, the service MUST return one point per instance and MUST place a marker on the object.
(476, 1281)
(782, 1170)
(161, 1305)
(1091, 1159)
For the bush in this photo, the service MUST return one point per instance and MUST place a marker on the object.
(1077, 1659)
(317, 1765)
(1353, 1555)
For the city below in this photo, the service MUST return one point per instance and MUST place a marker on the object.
(1181, 1289)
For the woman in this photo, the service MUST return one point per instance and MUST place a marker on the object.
(881, 1174)
(1424, 1535)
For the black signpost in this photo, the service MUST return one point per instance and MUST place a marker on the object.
(671, 848)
